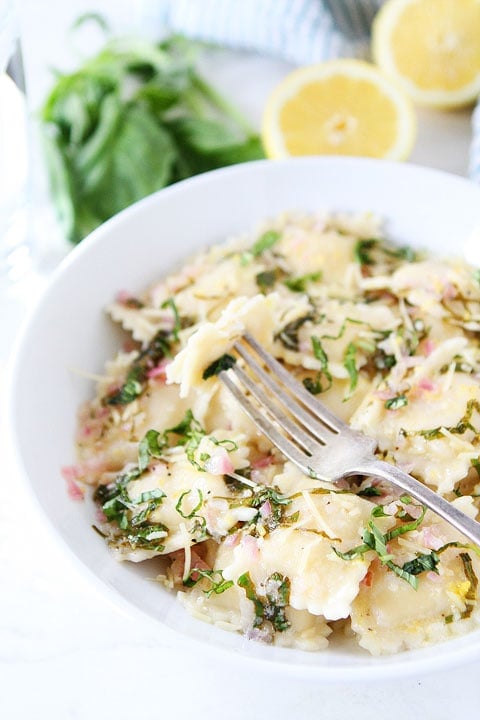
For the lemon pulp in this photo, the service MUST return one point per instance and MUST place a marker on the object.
(336, 116)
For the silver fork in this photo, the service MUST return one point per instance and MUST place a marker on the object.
(316, 440)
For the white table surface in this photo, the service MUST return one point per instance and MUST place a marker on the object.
(65, 650)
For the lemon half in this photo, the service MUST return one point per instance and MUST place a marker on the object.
(432, 47)
(339, 107)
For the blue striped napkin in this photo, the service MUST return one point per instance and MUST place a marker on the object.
(298, 31)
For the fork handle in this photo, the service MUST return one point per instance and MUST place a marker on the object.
(440, 506)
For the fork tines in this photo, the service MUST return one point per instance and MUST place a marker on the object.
(304, 421)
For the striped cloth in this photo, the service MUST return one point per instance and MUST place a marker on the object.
(298, 31)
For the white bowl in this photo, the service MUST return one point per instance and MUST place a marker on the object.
(69, 330)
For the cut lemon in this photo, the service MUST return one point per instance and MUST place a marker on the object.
(339, 107)
(432, 47)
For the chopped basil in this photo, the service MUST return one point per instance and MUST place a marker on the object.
(266, 279)
(170, 302)
(218, 584)
(408, 526)
(224, 362)
(147, 537)
(361, 250)
(299, 284)
(372, 251)
(464, 546)
(158, 348)
(120, 508)
(460, 428)
(185, 428)
(151, 445)
(471, 594)
(246, 582)
(270, 503)
(374, 539)
(277, 592)
(320, 354)
(193, 512)
(229, 445)
(189, 434)
(153, 498)
(405, 252)
(265, 242)
(130, 390)
(316, 385)
(288, 335)
(278, 504)
(383, 361)
(199, 527)
(370, 491)
(422, 563)
(412, 338)
(342, 329)
(396, 402)
(235, 480)
(269, 608)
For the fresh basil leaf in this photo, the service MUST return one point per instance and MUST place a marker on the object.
(61, 183)
(139, 162)
(91, 157)
(73, 106)
(250, 149)
(206, 136)
(132, 119)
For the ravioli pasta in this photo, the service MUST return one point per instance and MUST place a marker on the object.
(385, 337)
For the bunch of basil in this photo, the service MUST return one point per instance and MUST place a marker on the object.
(131, 120)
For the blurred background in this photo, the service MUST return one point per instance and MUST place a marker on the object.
(53, 43)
